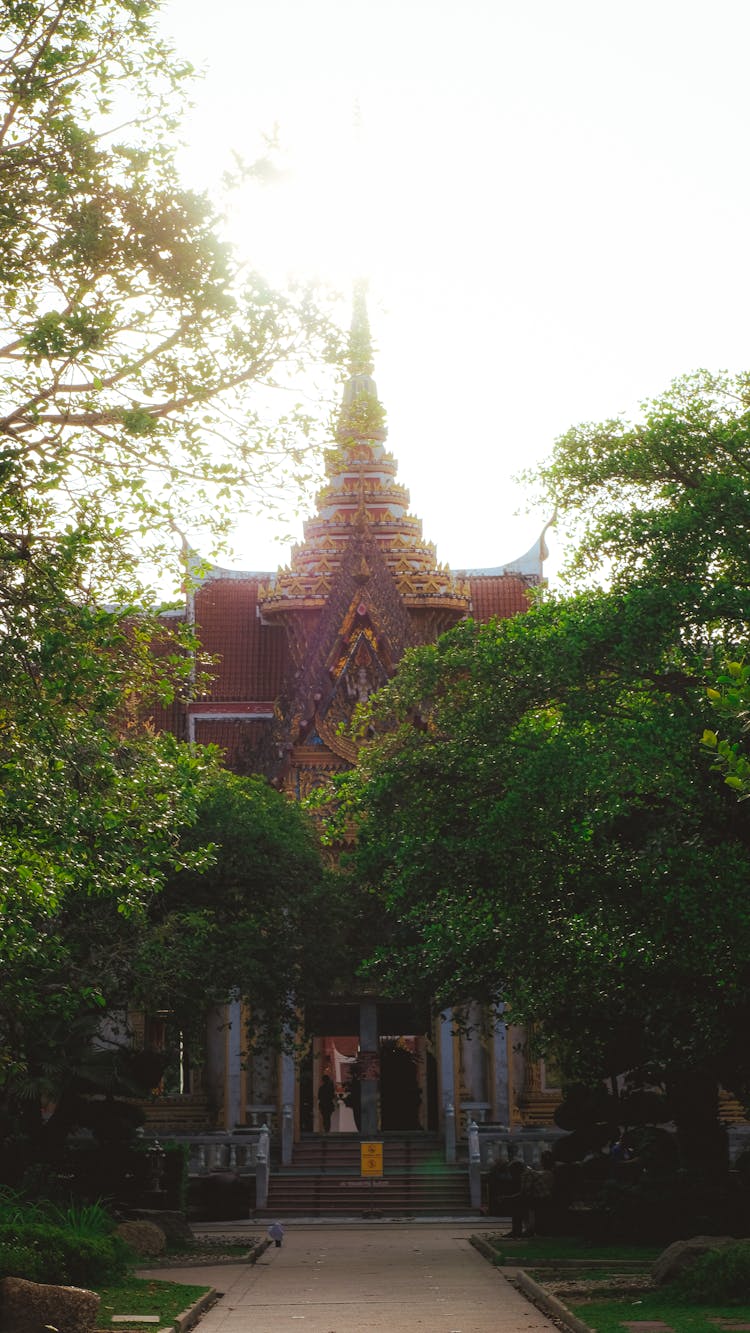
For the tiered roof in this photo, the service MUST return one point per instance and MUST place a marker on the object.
(295, 652)
(362, 488)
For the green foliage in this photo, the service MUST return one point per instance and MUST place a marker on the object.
(615, 1315)
(535, 811)
(15, 1208)
(730, 697)
(264, 920)
(88, 1221)
(48, 1253)
(662, 498)
(84, 1219)
(146, 1296)
(129, 343)
(667, 500)
(363, 418)
(128, 334)
(720, 1277)
(542, 830)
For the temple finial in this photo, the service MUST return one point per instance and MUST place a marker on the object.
(360, 340)
(362, 416)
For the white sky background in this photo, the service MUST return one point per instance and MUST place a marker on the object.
(556, 219)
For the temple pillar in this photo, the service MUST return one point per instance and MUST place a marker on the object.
(500, 1073)
(473, 1065)
(368, 1045)
(288, 1088)
(233, 1111)
(446, 1060)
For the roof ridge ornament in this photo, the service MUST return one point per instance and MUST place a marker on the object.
(361, 358)
(362, 416)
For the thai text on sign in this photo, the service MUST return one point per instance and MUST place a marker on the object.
(371, 1159)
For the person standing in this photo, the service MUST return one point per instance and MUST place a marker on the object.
(326, 1101)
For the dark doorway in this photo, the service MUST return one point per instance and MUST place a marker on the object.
(400, 1091)
(406, 1068)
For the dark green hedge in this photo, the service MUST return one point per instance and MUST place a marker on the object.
(42, 1252)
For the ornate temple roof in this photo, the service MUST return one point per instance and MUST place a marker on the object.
(293, 653)
(362, 490)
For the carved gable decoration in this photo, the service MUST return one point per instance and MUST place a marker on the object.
(363, 631)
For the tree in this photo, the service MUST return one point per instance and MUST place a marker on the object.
(667, 498)
(730, 696)
(262, 920)
(663, 498)
(129, 340)
(126, 341)
(535, 807)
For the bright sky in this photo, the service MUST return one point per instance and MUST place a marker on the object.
(556, 220)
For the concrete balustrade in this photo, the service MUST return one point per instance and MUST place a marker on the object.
(220, 1151)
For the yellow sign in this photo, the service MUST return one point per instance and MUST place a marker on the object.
(371, 1159)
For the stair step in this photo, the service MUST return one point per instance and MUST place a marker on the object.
(324, 1179)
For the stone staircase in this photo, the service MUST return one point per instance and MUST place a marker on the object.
(324, 1180)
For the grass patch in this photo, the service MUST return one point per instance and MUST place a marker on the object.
(199, 1255)
(610, 1316)
(146, 1296)
(525, 1252)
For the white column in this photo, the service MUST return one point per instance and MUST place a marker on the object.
(447, 1083)
(368, 1044)
(501, 1084)
(233, 1108)
(288, 1086)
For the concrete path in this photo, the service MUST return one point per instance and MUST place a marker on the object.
(365, 1279)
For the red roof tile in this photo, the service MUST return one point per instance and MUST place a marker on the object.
(250, 657)
(500, 595)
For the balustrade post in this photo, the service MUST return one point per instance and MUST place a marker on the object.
(450, 1132)
(475, 1166)
(262, 1168)
(287, 1133)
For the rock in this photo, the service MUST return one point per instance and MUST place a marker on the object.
(173, 1223)
(682, 1253)
(34, 1307)
(144, 1238)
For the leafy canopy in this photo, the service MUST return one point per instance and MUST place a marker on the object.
(535, 810)
(136, 363)
(262, 919)
(128, 334)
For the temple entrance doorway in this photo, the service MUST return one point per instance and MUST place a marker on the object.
(333, 1060)
(408, 1070)
(396, 1075)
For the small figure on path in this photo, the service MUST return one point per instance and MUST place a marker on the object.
(326, 1101)
(276, 1232)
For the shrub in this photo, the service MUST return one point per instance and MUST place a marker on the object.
(18, 1260)
(721, 1277)
(83, 1219)
(46, 1253)
(16, 1210)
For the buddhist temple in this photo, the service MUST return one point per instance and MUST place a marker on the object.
(295, 651)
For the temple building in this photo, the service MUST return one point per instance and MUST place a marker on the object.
(295, 652)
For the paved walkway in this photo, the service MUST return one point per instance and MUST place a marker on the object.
(365, 1279)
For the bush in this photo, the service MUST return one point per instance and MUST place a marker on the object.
(721, 1277)
(42, 1252)
(83, 1219)
(17, 1260)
